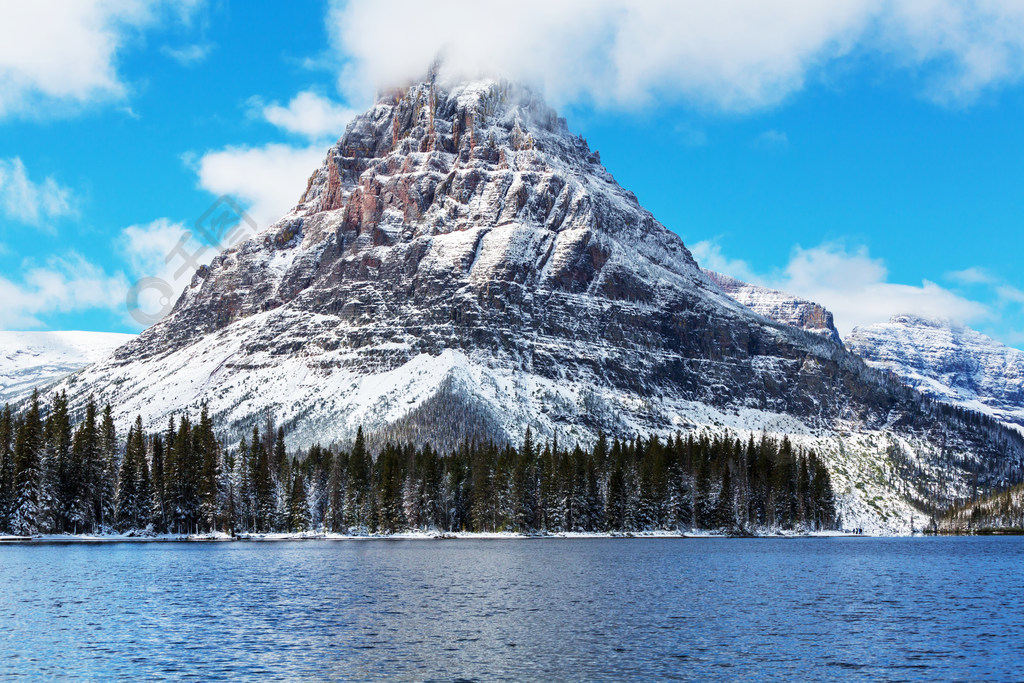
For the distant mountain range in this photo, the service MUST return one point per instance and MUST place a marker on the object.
(30, 360)
(462, 266)
(949, 362)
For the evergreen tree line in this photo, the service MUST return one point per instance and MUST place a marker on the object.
(56, 477)
(1000, 512)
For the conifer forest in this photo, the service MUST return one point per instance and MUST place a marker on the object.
(62, 477)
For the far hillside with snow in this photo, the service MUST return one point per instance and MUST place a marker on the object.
(36, 359)
(949, 362)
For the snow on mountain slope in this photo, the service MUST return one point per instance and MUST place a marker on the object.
(779, 306)
(30, 360)
(462, 265)
(949, 362)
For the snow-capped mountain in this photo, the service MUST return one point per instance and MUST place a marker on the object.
(949, 362)
(779, 306)
(30, 360)
(461, 266)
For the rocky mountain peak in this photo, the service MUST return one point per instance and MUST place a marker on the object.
(487, 124)
(779, 306)
(461, 266)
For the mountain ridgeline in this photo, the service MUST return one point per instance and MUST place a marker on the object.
(56, 477)
(462, 267)
(948, 362)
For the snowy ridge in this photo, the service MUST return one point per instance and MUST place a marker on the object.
(31, 360)
(948, 362)
(779, 306)
(461, 265)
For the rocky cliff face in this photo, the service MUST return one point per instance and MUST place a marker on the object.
(949, 362)
(461, 265)
(779, 306)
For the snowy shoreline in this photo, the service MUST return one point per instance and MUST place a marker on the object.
(68, 539)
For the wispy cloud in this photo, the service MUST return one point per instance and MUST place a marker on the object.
(971, 276)
(188, 55)
(63, 285)
(691, 135)
(731, 55)
(1008, 293)
(772, 139)
(851, 283)
(27, 201)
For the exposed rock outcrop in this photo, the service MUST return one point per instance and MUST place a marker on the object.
(779, 306)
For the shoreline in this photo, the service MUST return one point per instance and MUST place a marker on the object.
(219, 537)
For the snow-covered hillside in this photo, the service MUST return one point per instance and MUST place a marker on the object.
(949, 362)
(31, 360)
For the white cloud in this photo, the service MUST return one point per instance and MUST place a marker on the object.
(162, 257)
(64, 52)
(709, 255)
(269, 180)
(30, 202)
(971, 276)
(187, 55)
(971, 45)
(150, 251)
(1010, 294)
(855, 287)
(725, 54)
(690, 135)
(310, 115)
(63, 285)
(850, 283)
(772, 139)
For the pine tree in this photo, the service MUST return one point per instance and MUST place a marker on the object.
(298, 504)
(158, 514)
(144, 485)
(389, 490)
(725, 510)
(105, 492)
(358, 492)
(615, 508)
(6, 468)
(211, 484)
(245, 500)
(128, 480)
(28, 514)
(134, 492)
(337, 493)
(58, 462)
(85, 447)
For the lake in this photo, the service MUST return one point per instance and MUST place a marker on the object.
(539, 609)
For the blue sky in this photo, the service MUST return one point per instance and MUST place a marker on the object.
(868, 155)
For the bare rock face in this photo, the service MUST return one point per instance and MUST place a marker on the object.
(948, 362)
(460, 265)
(779, 306)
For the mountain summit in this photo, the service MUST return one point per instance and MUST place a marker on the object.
(462, 266)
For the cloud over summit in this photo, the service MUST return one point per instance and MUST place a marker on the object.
(730, 55)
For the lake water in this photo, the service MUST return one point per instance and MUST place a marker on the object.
(549, 609)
